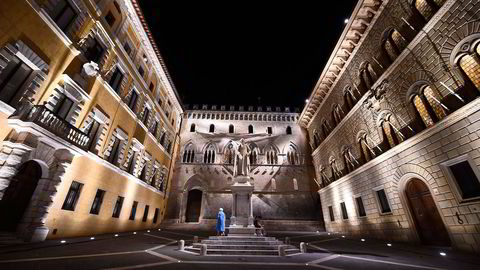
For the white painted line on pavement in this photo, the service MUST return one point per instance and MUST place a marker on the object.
(243, 263)
(168, 258)
(138, 266)
(161, 246)
(390, 262)
(159, 237)
(319, 248)
(324, 259)
(71, 257)
(324, 240)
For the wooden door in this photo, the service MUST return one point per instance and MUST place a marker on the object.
(18, 194)
(430, 226)
(194, 205)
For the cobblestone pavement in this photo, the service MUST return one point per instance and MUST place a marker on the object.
(158, 250)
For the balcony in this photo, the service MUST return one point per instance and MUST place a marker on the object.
(43, 117)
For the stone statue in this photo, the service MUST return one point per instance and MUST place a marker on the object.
(241, 163)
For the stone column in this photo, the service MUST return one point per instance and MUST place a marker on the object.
(233, 219)
(250, 211)
(32, 226)
(11, 155)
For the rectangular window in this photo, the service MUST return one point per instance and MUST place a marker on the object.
(155, 216)
(12, 78)
(72, 196)
(94, 135)
(360, 207)
(97, 202)
(118, 207)
(154, 128)
(63, 14)
(94, 51)
(146, 114)
(127, 48)
(113, 158)
(63, 107)
(131, 164)
(344, 210)
(269, 130)
(134, 210)
(116, 80)
(132, 103)
(383, 201)
(110, 18)
(145, 213)
(330, 212)
(141, 71)
(466, 179)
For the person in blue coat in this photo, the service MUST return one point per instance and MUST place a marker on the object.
(221, 222)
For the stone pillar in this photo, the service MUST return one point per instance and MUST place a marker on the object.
(32, 226)
(203, 250)
(11, 155)
(233, 219)
(303, 247)
(250, 215)
(181, 245)
(282, 250)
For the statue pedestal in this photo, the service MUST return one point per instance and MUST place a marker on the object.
(241, 221)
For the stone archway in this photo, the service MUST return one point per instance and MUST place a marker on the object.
(194, 205)
(18, 194)
(428, 222)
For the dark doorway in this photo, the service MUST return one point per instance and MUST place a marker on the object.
(194, 204)
(18, 194)
(430, 226)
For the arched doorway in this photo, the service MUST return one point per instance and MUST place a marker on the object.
(429, 224)
(18, 194)
(194, 205)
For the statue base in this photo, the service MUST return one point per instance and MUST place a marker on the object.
(242, 214)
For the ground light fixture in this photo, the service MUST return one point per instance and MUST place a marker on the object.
(363, 240)
(134, 232)
(148, 230)
(343, 236)
(116, 235)
(92, 238)
(63, 241)
(389, 245)
(443, 253)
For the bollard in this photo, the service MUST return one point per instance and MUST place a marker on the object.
(203, 250)
(195, 239)
(303, 247)
(287, 240)
(281, 251)
(181, 245)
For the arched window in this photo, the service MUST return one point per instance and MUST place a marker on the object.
(250, 129)
(368, 75)
(292, 156)
(470, 65)
(427, 8)
(335, 171)
(192, 128)
(337, 114)
(348, 98)
(428, 105)
(316, 139)
(231, 129)
(349, 160)
(365, 150)
(229, 154)
(394, 44)
(289, 130)
(325, 129)
(391, 133)
(271, 154)
(253, 155)
(188, 154)
(209, 154)
(212, 128)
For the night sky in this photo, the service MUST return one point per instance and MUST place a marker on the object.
(246, 54)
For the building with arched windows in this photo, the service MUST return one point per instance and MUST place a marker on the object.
(92, 129)
(392, 123)
(284, 190)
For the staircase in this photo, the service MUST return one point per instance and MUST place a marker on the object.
(8, 239)
(242, 245)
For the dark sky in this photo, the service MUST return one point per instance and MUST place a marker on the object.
(246, 53)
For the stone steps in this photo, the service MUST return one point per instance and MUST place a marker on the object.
(242, 245)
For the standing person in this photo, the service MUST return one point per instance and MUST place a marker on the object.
(259, 230)
(220, 223)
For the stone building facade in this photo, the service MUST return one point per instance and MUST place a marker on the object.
(280, 168)
(88, 119)
(402, 88)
